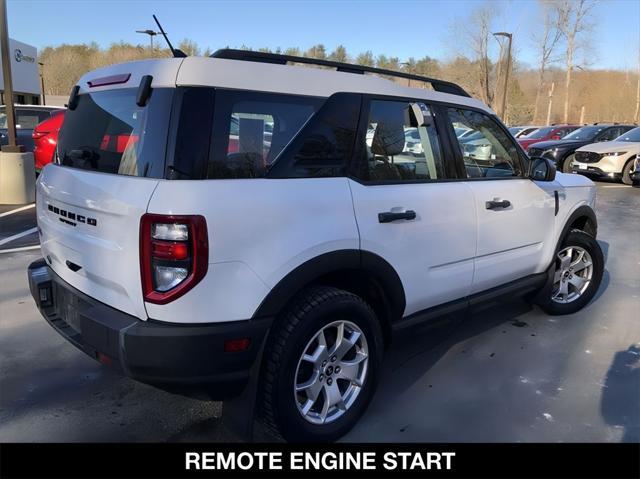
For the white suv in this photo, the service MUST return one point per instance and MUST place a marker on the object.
(609, 159)
(208, 219)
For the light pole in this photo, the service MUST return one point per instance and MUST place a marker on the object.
(503, 105)
(151, 33)
(44, 100)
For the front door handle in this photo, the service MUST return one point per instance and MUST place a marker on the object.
(389, 216)
(497, 204)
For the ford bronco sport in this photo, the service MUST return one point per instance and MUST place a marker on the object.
(212, 220)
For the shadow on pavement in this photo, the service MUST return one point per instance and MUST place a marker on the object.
(620, 403)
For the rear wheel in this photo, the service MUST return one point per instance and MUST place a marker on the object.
(321, 365)
(567, 164)
(626, 173)
(578, 271)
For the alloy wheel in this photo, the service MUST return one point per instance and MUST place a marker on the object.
(331, 372)
(574, 270)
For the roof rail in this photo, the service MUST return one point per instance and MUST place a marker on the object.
(262, 57)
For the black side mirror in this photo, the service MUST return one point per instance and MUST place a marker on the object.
(542, 169)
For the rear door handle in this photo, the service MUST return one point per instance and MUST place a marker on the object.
(389, 216)
(497, 204)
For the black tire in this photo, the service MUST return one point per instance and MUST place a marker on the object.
(589, 243)
(313, 309)
(566, 164)
(626, 172)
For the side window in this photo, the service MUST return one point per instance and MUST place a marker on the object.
(487, 150)
(252, 128)
(402, 143)
(323, 148)
(609, 134)
(562, 132)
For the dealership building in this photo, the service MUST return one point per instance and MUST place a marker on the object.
(24, 72)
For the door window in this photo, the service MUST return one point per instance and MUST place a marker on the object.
(402, 143)
(487, 150)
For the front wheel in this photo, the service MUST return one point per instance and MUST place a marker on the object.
(321, 365)
(626, 173)
(578, 271)
(567, 165)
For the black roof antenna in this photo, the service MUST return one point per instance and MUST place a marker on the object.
(177, 53)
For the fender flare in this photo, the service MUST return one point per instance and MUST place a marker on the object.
(349, 259)
(581, 211)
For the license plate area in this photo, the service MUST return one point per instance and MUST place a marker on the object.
(582, 167)
(67, 308)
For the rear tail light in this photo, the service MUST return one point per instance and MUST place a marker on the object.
(174, 255)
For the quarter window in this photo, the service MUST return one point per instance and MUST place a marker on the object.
(487, 150)
(252, 128)
(402, 142)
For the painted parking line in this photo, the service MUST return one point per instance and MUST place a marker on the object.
(23, 248)
(19, 235)
(17, 210)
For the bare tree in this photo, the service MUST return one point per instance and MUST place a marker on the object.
(573, 22)
(189, 47)
(366, 59)
(339, 54)
(478, 35)
(317, 51)
(546, 43)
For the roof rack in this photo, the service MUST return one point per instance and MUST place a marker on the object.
(262, 57)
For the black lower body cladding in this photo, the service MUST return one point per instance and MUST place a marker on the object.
(184, 358)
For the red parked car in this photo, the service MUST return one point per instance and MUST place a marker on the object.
(545, 133)
(45, 138)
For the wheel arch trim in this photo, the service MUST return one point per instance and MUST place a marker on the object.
(583, 211)
(333, 262)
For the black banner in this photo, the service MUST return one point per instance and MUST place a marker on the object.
(336, 460)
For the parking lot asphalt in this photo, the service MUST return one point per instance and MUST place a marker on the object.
(509, 373)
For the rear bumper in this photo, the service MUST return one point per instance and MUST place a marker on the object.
(187, 359)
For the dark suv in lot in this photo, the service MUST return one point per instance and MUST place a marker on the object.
(563, 151)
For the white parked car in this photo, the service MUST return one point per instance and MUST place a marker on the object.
(609, 159)
(521, 131)
(200, 257)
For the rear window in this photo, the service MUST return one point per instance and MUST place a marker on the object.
(107, 132)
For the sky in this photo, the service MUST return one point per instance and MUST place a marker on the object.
(401, 28)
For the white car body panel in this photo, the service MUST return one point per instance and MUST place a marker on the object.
(270, 226)
(108, 253)
(510, 240)
(433, 254)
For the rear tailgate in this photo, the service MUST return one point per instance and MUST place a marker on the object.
(110, 155)
(89, 224)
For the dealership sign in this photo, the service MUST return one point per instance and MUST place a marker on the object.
(24, 68)
(21, 57)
